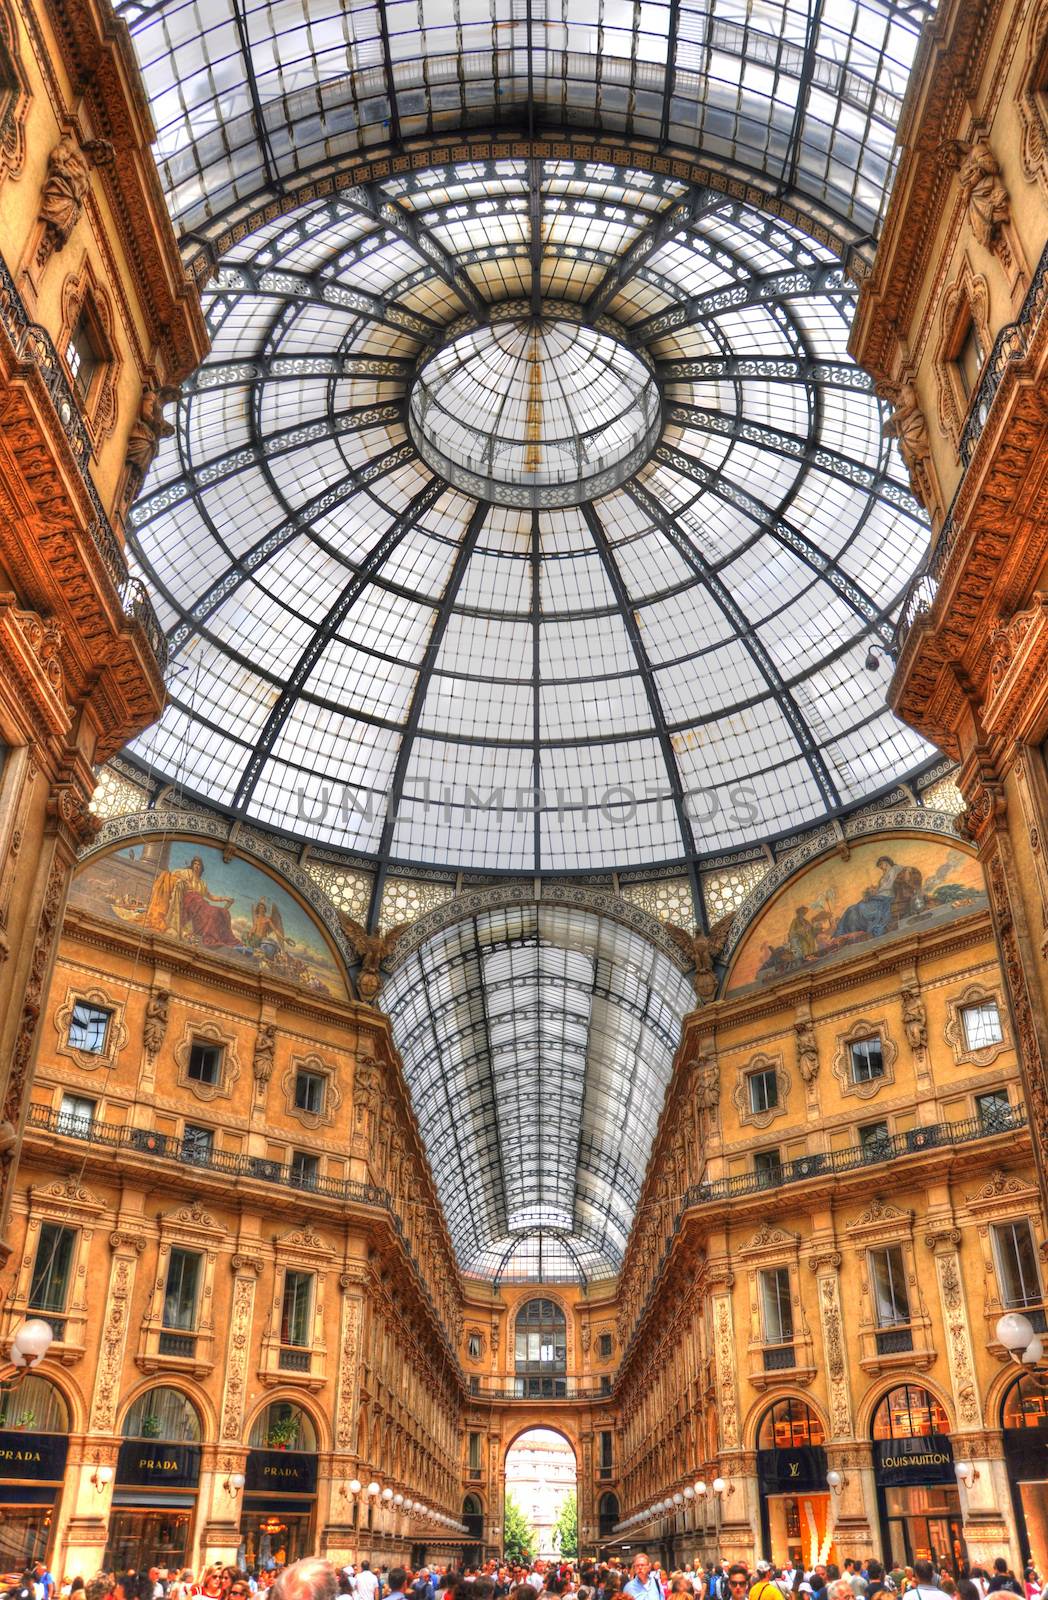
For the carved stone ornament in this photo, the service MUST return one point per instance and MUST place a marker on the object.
(114, 1038)
(976, 994)
(143, 441)
(208, 1033)
(807, 1050)
(700, 949)
(843, 1068)
(154, 1026)
(14, 97)
(914, 1017)
(265, 1048)
(331, 1096)
(373, 950)
(1007, 638)
(741, 1093)
(965, 304)
(909, 426)
(65, 189)
(1030, 103)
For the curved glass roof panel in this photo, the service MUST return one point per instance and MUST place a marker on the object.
(250, 96)
(538, 1042)
(379, 653)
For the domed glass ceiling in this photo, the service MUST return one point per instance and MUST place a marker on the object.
(381, 655)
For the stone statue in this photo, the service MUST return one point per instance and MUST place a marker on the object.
(807, 1050)
(908, 425)
(707, 1083)
(373, 949)
(914, 1018)
(143, 441)
(701, 949)
(155, 1025)
(65, 187)
(979, 177)
(265, 1047)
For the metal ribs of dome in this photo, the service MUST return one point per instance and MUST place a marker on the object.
(367, 654)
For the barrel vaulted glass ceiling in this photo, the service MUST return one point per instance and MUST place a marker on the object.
(540, 1040)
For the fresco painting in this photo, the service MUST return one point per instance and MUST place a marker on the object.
(885, 888)
(187, 892)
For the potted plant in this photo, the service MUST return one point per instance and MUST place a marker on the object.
(151, 1426)
(26, 1419)
(283, 1432)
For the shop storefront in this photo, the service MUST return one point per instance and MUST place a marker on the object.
(1024, 1419)
(34, 1443)
(280, 1490)
(791, 1479)
(917, 1497)
(155, 1485)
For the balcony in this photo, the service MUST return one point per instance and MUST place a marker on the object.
(938, 1135)
(544, 1389)
(893, 1341)
(177, 1344)
(292, 1360)
(779, 1357)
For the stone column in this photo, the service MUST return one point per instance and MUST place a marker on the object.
(218, 1508)
(986, 1503)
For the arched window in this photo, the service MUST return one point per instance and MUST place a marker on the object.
(909, 1412)
(283, 1426)
(541, 1349)
(473, 1517)
(34, 1406)
(163, 1413)
(608, 1512)
(789, 1425)
(1025, 1405)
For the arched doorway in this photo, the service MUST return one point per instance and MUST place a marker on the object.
(34, 1441)
(541, 1350)
(791, 1475)
(155, 1492)
(473, 1518)
(276, 1526)
(917, 1497)
(542, 1484)
(1024, 1421)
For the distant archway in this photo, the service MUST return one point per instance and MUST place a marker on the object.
(542, 1478)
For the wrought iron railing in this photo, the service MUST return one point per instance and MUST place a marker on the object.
(292, 1360)
(1010, 345)
(170, 1147)
(177, 1344)
(33, 344)
(779, 1357)
(523, 1389)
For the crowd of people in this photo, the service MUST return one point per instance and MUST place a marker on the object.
(317, 1579)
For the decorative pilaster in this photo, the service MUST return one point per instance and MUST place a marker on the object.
(943, 1243)
(347, 1400)
(127, 1247)
(246, 1270)
(826, 1267)
(720, 1281)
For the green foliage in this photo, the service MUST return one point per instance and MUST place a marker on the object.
(566, 1527)
(518, 1536)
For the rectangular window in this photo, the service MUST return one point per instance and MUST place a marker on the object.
(891, 1300)
(1016, 1264)
(994, 1110)
(51, 1271)
(982, 1025)
(82, 355)
(606, 1451)
(88, 1028)
(776, 1309)
(867, 1061)
(969, 359)
(296, 1310)
(309, 1091)
(304, 1169)
(874, 1139)
(605, 1384)
(604, 1346)
(764, 1090)
(767, 1164)
(205, 1062)
(473, 1345)
(197, 1144)
(76, 1114)
(474, 1452)
(180, 1295)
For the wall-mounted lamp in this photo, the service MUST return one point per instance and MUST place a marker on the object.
(722, 1489)
(700, 1490)
(836, 1481)
(374, 1490)
(967, 1473)
(1020, 1339)
(234, 1483)
(102, 1476)
(387, 1494)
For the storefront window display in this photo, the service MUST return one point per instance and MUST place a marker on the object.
(155, 1489)
(34, 1442)
(917, 1497)
(280, 1491)
(791, 1473)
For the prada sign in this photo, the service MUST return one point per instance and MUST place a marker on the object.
(797, 1471)
(153, 1463)
(898, 1462)
(275, 1471)
(36, 1457)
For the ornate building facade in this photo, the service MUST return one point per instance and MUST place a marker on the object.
(98, 323)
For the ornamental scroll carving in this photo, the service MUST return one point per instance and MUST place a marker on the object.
(833, 1344)
(114, 1333)
(727, 1390)
(348, 1372)
(65, 189)
(958, 1337)
(246, 1269)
